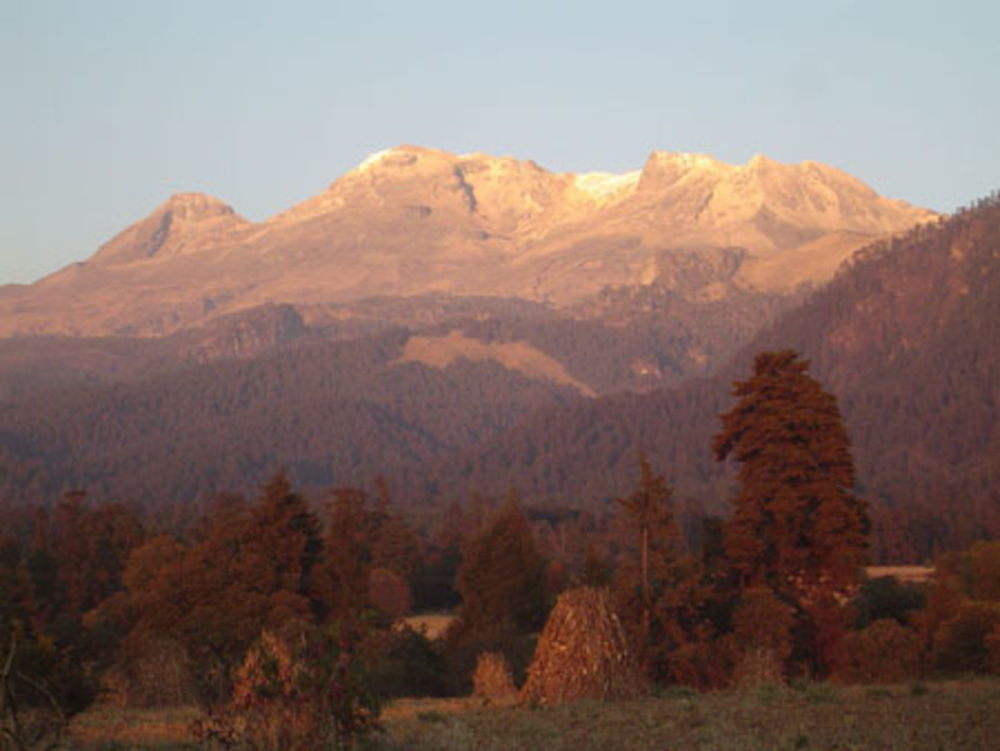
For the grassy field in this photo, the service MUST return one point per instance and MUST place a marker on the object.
(104, 728)
(934, 716)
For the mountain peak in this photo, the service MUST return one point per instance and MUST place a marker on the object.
(412, 220)
(194, 206)
(395, 155)
(761, 161)
(680, 158)
(664, 168)
(404, 155)
(185, 222)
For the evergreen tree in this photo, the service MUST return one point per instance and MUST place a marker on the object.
(501, 579)
(284, 545)
(348, 555)
(797, 526)
(649, 517)
(661, 593)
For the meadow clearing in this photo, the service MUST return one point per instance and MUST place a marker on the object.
(945, 715)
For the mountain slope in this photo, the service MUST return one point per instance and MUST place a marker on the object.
(412, 221)
(907, 337)
(332, 413)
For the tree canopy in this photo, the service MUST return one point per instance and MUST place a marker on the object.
(796, 522)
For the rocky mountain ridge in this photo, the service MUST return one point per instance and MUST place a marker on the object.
(416, 221)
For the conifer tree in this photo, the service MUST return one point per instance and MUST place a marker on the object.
(796, 516)
(650, 518)
(660, 592)
(501, 578)
(348, 555)
(796, 527)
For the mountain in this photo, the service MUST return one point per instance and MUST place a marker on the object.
(467, 323)
(907, 336)
(412, 221)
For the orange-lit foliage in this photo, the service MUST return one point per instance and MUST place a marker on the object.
(250, 567)
(79, 555)
(981, 571)
(662, 595)
(796, 526)
(492, 678)
(299, 692)
(343, 578)
(795, 521)
(762, 621)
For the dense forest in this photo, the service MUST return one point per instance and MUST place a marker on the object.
(906, 337)
(283, 618)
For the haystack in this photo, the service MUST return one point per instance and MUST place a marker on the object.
(492, 679)
(582, 653)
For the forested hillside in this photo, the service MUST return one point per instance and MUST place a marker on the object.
(331, 413)
(907, 338)
(323, 391)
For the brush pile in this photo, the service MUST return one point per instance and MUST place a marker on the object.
(582, 653)
(492, 679)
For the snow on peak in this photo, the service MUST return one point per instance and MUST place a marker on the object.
(603, 185)
(683, 159)
(374, 159)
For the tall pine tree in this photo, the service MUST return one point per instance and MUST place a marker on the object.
(797, 527)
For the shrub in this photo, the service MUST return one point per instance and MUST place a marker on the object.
(762, 626)
(960, 644)
(993, 647)
(492, 678)
(405, 663)
(150, 671)
(462, 649)
(758, 667)
(885, 597)
(296, 694)
(884, 652)
(704, 661)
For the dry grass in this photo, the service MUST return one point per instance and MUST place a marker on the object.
(432, 624)
(111, 727)
(400, 710)
(957, 716)
(902, 574)
(492, 678)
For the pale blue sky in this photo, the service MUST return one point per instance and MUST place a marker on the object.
(109, 107)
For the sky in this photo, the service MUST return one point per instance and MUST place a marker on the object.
(110, 107)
